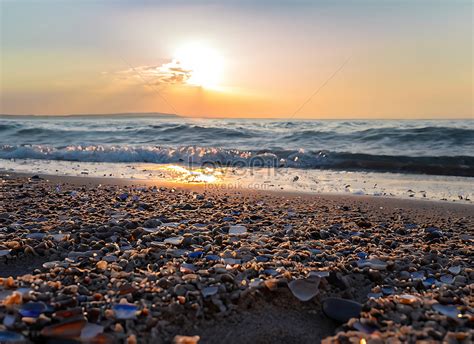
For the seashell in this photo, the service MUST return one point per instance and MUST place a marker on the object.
(196, 254)
(11, 337)
(30, 250)
(237, 230)
(110, 258)
(125, 311)
(320, 274)
(428, 282)
(341, 310)
(447, 279)
(187, 268)
(374, 295)
(51, 265)
(255, 282)
(68, 329)
(447, 310)
(455, 269)
(305, 289)
(209, 291)
(232, 261)
(270, 272)
(36, 236)
(186, 339)
(68, 313)
(101, 265)
(387, 290)
(32, 309)
(123, 197)
(14, 299)
(174, 240)
(417, 275)
(365, 328)
(8, 320)
(91, 331)
(407, 299)
(4, 252)
(151, 230)
(170, 224)
(59, 236)
(271, 284)
(372, 263)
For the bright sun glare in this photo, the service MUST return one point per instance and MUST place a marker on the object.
(205, 64)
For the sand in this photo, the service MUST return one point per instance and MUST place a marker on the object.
(289, 234)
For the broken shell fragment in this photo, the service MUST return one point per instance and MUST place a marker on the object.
(305, 289)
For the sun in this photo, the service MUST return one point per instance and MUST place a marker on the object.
(204, 63)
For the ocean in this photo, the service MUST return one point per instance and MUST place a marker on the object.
(412, 146)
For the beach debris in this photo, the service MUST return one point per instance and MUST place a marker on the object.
(174, 240)
(102, 265)
(125, 311)
(9, 337)
(448, 310)
(408, 299)
(237, 230)
(320, 274)
(32, 309)
(186, 339)
(447, 279)
(305, 289)
(195, 254)
(372, 263)
(186, 268)
(4, 252)
(36, 236)
(418, 275)
(9, 320)
(99, 267)
(67, 329)
(364, 327)
(430, 281)
(455, 270)
(341, 310)
(209, 291)
(91, 331)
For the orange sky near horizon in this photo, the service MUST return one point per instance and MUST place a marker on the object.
(209, 59)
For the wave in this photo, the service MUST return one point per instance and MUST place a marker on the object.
(432, 147)
(213, 156)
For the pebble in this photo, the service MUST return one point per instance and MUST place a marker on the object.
(341, 310)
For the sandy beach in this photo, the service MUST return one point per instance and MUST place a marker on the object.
(100, 260)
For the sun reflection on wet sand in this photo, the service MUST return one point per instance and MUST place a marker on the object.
(197, 175)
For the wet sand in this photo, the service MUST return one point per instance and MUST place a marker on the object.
(231, 266)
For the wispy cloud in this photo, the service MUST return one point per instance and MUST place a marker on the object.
(167, 73)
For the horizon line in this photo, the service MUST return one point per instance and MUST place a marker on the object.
(165, 114)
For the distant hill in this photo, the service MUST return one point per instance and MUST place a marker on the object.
(127, 114)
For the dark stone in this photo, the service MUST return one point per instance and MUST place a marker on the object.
(341, 310)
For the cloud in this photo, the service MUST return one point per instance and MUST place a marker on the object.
(172, 73)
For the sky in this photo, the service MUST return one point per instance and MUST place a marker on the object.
(285, 59)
